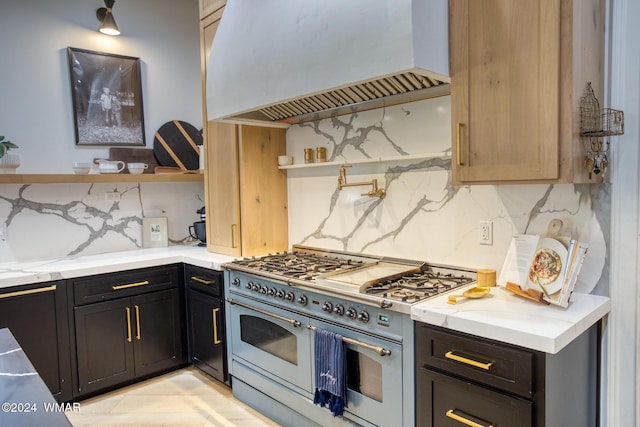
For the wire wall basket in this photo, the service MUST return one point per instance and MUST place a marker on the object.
(596, 125)
(596, 121)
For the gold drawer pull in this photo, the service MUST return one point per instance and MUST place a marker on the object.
(215, 326)
(128, 311)
(458, 143)
(203, 281)
(464, 420)
(451, 355)
(28, 292)
(129, 285)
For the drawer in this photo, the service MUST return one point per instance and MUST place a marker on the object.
(445, 401)
(500, 365)
(204, 279)
(103, 287)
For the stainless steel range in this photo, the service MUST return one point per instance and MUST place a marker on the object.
(275, 302)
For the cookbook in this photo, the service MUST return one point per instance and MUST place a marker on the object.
(547, 264)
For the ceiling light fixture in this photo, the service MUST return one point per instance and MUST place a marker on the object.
(105, 16)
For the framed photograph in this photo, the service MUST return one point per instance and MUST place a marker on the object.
(107, 98)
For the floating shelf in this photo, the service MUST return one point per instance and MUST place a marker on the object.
(394, 159)
(89, 178)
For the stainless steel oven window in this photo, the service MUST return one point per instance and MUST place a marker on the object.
(269, 337)
(364, 375)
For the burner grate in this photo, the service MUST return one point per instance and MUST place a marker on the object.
(299, 265)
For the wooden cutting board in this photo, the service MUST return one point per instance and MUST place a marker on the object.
(134, 155)
(176, 144)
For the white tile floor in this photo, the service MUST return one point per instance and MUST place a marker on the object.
(184, 398)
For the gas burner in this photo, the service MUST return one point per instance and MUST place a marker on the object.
(299, 265)
(417, 286)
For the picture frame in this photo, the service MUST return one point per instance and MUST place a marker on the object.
(106, 91)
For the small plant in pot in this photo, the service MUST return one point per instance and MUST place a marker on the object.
(8, 162)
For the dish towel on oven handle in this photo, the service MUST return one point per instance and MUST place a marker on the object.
(330, 371)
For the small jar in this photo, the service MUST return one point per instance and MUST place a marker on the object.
(321, 154)
(308, 155)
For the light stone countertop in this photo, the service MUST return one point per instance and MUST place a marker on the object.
(503, 316)
(22, 273)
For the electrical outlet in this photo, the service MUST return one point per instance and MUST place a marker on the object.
(486, 233)
(113, 196)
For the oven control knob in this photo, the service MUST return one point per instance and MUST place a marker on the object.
(302, 300)
(289, 296)
(264, 290)
(351, 313)
(328, 307)
(363, 316)
(236, 282)
(280, 293)
(257, 287)
(272, 292)
(338, 309)
(249, 285)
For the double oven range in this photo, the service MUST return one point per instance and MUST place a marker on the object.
(275, 302)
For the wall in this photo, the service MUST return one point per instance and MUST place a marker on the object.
(36, 113)
(621, 341)
(423, 216)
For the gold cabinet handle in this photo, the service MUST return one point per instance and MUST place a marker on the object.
(464, 420)
(128, 311)
(137, 322)
(129, 285)
(451, 355)
(28, 292)
(215, 326)
(202, 280)
(458, 144)
(234, 227)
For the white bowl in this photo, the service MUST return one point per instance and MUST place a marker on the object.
(81, 168)
(136, 170)
(285, 160)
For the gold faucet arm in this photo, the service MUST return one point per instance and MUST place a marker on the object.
(375, 192)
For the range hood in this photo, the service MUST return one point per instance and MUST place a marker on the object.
(278, 62)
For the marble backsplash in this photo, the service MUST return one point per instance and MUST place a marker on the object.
(49, 221)
(424, 216)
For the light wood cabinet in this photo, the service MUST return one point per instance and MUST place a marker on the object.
(518, 70)
(245, 193)
(209, 6)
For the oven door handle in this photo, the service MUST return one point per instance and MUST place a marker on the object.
(381, 351)
(292, 322)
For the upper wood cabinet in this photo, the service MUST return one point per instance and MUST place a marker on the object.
(518, 70)
(245, 192)
(209, 6)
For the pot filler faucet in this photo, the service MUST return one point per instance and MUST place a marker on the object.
(375, 191)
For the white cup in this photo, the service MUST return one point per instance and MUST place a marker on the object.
(137, 167)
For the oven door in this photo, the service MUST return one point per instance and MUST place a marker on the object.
(271, 341)
(374, 381)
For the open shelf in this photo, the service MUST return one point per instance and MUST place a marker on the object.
(119, 177)
(394, 159)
